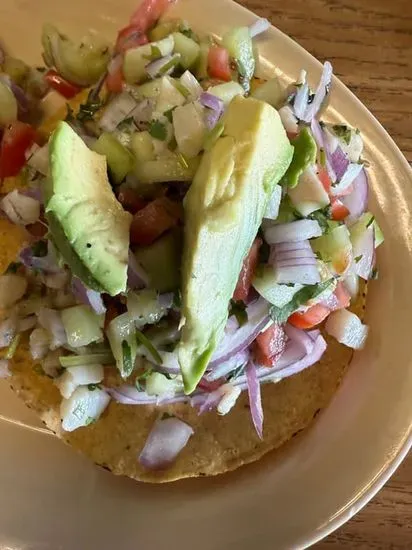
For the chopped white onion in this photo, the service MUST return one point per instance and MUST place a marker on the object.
(20, 209)
(189, 129)
(352, 172)
(51, 363)
(228, 399)
(347, 328)
(50, 319)
(38, 158)
(12, 289)
(56, 280)
(258, 27)
(289, 120)
(78, 376)
(83, 407)
(192, 85)
(320, 94)
(165, 441)
(294, 231)
(26, 324)
(39, 343)
(118, 109)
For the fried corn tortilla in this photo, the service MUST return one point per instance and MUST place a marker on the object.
(219, 443)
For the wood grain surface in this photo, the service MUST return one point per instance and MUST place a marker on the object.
(369, 43)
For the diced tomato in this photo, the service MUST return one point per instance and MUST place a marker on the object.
(210, 386)
(58, 83)
(130, 200)
(342, 296)
(248, 270)
(338, 210)
(153, 220)
(325, 179)
(148, 12)
(218, 63)
(269, 345)
(291, 135)
(17, 138)
(130, 37)
(114, 79)
(310, 318)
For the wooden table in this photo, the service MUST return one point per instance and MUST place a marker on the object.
(369, 43)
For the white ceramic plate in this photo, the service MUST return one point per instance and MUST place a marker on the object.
(51, 498)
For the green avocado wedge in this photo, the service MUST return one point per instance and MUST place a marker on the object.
(87, 224)
(224, 208)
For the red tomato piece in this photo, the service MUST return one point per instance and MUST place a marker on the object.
(309, 318)
(148, 13)
(153, 220)
(17, 138)
(218, 63)
(325, 179)
(269, 345)
(338, 210)
(130, 200)
(130, 37)
(58, 83)
(246, 274)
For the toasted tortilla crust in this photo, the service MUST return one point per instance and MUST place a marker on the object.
(219, 444)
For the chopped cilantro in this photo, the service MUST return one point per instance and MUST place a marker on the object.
(281, 314)
(141, 378)
(375, 274)
(370, 222)
(342, 131)
(358, 259)
(89, 109)
(39, 249)
(149, 346)
(13, 267)
(158, 130)
(89, 420)
(238, 309)
(169, 114)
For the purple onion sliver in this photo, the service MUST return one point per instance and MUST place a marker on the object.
(356, 202)
(165, 441)
(320, 94)
(211, 101)
(136, 276)
(165, 300)
(339, 161)
(255, 398)
(300, 337)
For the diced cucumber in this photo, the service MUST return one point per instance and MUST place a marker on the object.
(202, 61)
(270, 91)
(169, 96)
(272, 208)
(265, 283)
(78, 376)
(227, 91)
(161, 261)
(149, 89)
(136, 59)
(171, 168)
(159, 384)
(144, 307)
(309, 195)
(83, 407)
(121, 334)
(164, 28)
(189, 129)
(82, 326)
(191, 85)
(187, 48)
(335, 248)
(142, 146)
(119, 160)
(238, 42)
(366, 220)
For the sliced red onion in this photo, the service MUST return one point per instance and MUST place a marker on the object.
(299, 337)
(50, 319)
(165, 300)
(258, 27)
(166, 440)
(34, 193)
(319, 136)
(347, 179)
(4, 369)
(347, 328)
(364, 253)
(320, 94)
(340, 162)
(292, 246)
(163, 66)
(211, 102)
(136, 276)
(129, 395)
(192, 85)
(294, 263)
(88, 296)
(47, 264)
(222, 370)
(301, 99)
(118, 109)
(223, 399)
(233, 343)
(356, 202)
(20, 209)
(299, 230)
(255, 398)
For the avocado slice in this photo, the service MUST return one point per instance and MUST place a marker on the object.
(88, 225)
(224, 208)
